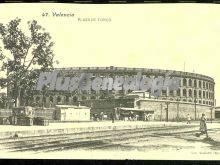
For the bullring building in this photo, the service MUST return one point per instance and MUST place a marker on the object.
(194, 89)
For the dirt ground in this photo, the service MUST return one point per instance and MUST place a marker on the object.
(178, 144)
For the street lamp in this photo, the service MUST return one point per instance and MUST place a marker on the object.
(44, 93)
(195, 100)
(177, 102)
(211, 113)
(167, 110)
(195, 106)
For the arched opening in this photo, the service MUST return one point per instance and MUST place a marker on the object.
(190, 82)
(75, 99)
(67, 98)
(83, 97)
(190, 93)
(44, 101)
(203, 84)
(200, 94)
(195, 93)
(164, 92)
(178, 92)
(51, 99)
(58, 99)
(171, 93)
(37, 99)
(200, 84)
(195, 83)
(102, 97)
(92, 97)
(184, 82)
(184, 92)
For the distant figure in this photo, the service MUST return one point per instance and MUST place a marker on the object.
(188, 119)
(131, 115)
(203, 126)
(145, 116)
(137, 117)
(101, 116)
(112, 117)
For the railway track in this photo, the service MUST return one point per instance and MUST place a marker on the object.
(89, 140)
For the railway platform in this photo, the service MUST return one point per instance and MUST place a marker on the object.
(80, 127)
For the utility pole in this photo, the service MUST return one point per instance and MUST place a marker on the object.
(211, 114)
(161, 109)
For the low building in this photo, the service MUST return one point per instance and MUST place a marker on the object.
(72, 113)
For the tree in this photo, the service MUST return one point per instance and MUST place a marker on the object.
(3, 101)
(31, 54)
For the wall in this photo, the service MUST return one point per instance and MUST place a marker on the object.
(175, 110)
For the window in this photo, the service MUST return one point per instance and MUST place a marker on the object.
(203, 94)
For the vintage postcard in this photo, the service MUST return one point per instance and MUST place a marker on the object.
(110, 81)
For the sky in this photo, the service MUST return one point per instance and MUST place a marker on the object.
(159, 36)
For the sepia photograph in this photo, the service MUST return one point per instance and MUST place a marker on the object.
(110, 81)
